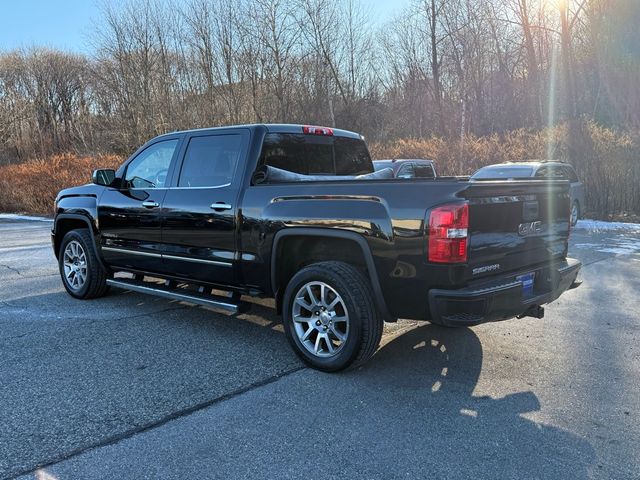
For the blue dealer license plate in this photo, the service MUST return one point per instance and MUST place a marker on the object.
(527, 283)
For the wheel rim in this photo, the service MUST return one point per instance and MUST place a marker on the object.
(320, 319)
(75, 265)
(574, 214)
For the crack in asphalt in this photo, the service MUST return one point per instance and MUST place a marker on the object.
(11, 268)
(14, 337)
(155, 424)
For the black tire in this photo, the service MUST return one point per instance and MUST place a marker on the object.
(95, 284)
(365, 322)
(575, 219)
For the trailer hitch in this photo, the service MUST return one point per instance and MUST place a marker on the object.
(535, 311)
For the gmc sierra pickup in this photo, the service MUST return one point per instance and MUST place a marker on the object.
(297, 213)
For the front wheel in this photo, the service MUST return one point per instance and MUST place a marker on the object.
(82, 275)
(330, 316)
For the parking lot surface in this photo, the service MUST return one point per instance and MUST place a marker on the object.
(132, 386)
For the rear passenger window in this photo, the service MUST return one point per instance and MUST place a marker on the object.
(211, 161)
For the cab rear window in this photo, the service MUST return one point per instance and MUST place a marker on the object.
(316, 154)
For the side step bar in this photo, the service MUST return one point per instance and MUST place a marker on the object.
(160, 290)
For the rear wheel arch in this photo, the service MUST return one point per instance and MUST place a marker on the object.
(313, 245)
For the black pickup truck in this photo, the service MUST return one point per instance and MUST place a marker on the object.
(298, 214)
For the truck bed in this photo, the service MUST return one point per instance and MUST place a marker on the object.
(392, 216)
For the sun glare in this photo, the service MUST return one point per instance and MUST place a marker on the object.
(561, 3)
(555, 5)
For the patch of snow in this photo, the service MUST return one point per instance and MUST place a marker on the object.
(15, 216)
(622, 245)
(600, 226)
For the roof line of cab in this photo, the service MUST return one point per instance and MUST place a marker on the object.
(271, 128)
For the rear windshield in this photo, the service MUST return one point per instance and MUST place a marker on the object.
(503, 172)
(316, 154)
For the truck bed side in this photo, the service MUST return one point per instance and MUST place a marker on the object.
(391, 217)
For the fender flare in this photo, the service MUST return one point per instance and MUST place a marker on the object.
(90, 227)
(331, 233)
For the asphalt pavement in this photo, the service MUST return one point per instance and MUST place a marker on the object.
(132, 386)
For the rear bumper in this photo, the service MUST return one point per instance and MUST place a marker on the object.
(501, 298)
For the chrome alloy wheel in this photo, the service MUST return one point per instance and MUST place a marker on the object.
(574, 213)
(75, 265)
(320, 319)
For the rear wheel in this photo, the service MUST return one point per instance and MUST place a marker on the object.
(575, 212)
(330, 317)
(81, 272)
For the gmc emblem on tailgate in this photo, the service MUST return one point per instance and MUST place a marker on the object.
(525, 229)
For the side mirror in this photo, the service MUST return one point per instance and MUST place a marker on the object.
(104, 177)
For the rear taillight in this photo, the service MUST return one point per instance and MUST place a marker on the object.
(448, 232)
(311, 130)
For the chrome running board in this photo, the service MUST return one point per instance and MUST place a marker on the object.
(160, 290)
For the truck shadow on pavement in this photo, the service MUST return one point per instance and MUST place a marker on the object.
(422, 385)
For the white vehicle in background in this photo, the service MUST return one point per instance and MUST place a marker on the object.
(543, 169)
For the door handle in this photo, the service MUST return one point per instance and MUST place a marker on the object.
(150, 204)
(220, 206)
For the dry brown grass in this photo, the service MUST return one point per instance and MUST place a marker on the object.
(31, 187)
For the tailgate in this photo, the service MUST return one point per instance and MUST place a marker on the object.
(517, 224)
